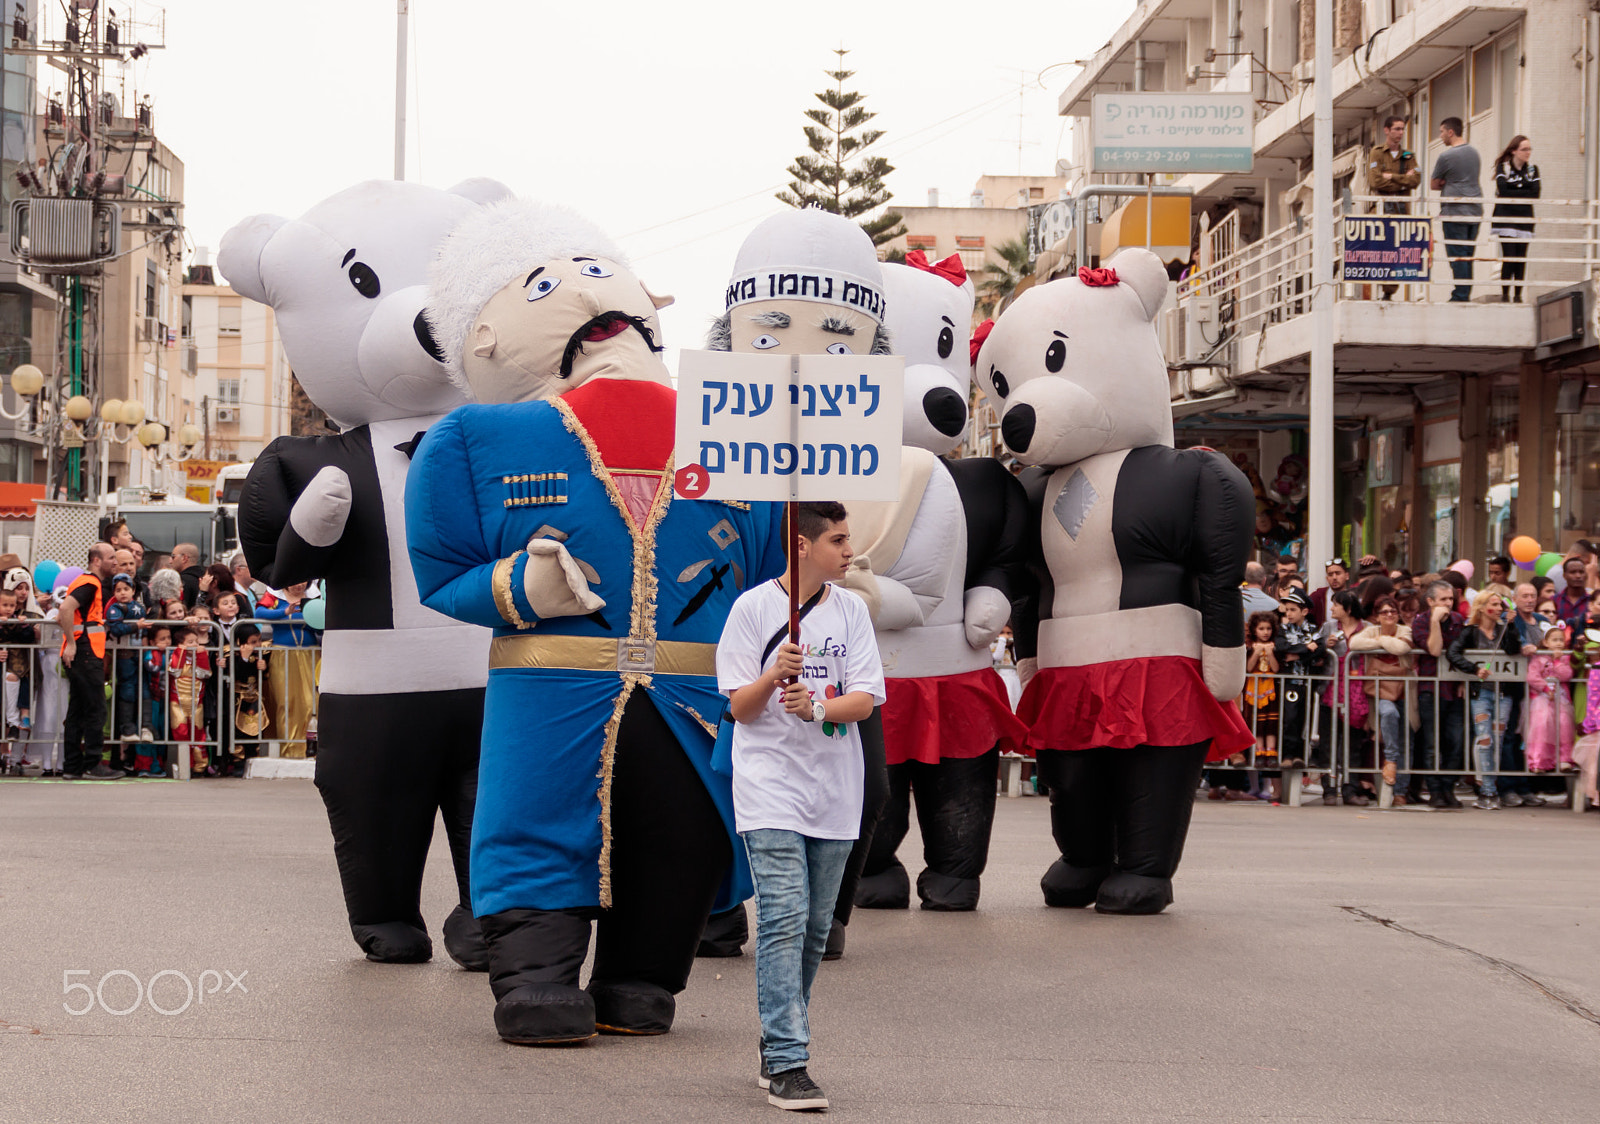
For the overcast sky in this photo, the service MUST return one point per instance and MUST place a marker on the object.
(669, 124)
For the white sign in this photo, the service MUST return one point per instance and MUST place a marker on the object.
(1174, 132)
(753, 427)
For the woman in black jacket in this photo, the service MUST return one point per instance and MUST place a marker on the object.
(1491, 707)
(1514, 178)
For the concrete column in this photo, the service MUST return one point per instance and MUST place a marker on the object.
(1536, 454)
(1474, 421)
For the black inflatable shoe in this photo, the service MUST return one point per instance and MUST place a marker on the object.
(394, 942)
(632, 1007)
(1072, 887)
(890, 888)
(1133, 894)
(945, 893)
(463, 940)
(834, 949)
(725, 934)
(545, 1014)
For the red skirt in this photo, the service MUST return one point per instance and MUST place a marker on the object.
(949, 716)
(1155, 700)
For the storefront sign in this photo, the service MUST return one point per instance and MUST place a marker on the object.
(753, 427)
(1386, 248)
(1173, 132)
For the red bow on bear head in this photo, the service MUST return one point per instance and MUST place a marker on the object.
(1097, 277)
(950, 269)
(979, 334)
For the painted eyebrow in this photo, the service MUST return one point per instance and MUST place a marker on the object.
(948, 321)
(531, 276)
(583, 259)
(347, 258)
(1063, 335)
(837, 326)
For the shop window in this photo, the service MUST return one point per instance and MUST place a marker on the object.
(1439, 544)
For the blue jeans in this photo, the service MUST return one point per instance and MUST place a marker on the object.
(1460, 238)
(797, 881)
(1392, 736)
(1489, 715)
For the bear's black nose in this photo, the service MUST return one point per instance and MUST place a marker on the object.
(1016, 428)
(945, 409)
(425, 337)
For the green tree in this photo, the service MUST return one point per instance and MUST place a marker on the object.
(836, 174)
(1000, 282)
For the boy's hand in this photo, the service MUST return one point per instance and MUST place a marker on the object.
(797, 701)
(790, 662)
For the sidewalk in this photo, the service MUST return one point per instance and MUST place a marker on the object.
(1258, 996)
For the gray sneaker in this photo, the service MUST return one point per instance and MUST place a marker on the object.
(1534, 800)
(764, 1078)
(1512, 800)
(793, 1089)
(1487, 803)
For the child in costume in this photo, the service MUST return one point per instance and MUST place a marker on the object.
(18, 637)
(797, 776)
(188, 668)
(151, 760)
(552, 521)
(1548, 726)
(124, 620)
(244, 719)
(1261, 689)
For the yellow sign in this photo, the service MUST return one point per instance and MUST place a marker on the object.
(204, 470)
(199, 493)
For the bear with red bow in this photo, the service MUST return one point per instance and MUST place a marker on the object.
(942, 564)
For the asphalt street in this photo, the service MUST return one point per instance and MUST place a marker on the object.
(1319, 964)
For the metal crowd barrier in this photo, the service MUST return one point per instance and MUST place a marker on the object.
(1490, 745)
(223, 718)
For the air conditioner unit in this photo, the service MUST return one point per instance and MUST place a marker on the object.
(152, 330)
(227, 414)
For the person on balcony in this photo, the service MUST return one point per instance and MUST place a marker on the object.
(1514, 178)
(1455, 176)
(1393, 172)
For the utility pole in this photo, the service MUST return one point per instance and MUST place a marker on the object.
(1321, 526)
(402, 12)
(205, 422)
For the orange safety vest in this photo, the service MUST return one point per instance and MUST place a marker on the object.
(92, 616)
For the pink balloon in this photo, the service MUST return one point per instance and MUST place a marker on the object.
(1464, 567)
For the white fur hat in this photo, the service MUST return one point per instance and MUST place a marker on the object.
(809, 255)
(492, 247)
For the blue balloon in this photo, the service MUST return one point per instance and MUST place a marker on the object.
(315, 613)
(45, 574)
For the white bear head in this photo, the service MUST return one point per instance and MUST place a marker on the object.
(1076, 365)
(929, 317)
(529, 300)
(346, 282)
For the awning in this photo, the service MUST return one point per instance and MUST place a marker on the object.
(17, 500)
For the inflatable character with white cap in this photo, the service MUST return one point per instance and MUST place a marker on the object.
(948, 557)
(401, 685)
(1140, 649)
(808, 282)
(545, 512)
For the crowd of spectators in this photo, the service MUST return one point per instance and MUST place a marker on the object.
(112, 674)
(1344, 683)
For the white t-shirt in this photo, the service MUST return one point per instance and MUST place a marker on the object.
(788, 774)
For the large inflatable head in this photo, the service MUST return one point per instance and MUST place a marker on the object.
(1076, 366)
(529, 300)
(346, 282)
(805, 282)
(930, 314)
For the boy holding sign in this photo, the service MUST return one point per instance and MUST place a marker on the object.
(797, 774)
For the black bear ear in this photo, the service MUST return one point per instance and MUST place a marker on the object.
(239, 259)
(1142, 272)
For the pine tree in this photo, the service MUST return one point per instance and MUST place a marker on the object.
(837, 175)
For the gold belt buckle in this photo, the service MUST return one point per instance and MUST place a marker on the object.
(636, 655)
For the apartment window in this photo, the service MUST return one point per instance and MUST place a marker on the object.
(1035, 193)
(228, 392)
(921, 241)
(1482, 80)
(1447, 96)
(1510, 50)
(229, 319)
(151, 291)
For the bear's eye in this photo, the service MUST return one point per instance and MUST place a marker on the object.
(365, 281)
(839, 349)
(947, 342)
(1055, 357)
(595, 269)
(998, 381)
(764, 342)
(543, 288)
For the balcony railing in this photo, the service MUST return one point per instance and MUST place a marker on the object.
(1269, 281)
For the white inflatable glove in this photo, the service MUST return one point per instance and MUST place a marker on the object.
(319, 514)
(986, 611)
(1027, 668)
(1223, 669)
(554, 584)
(899, 607)
(861, 581)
